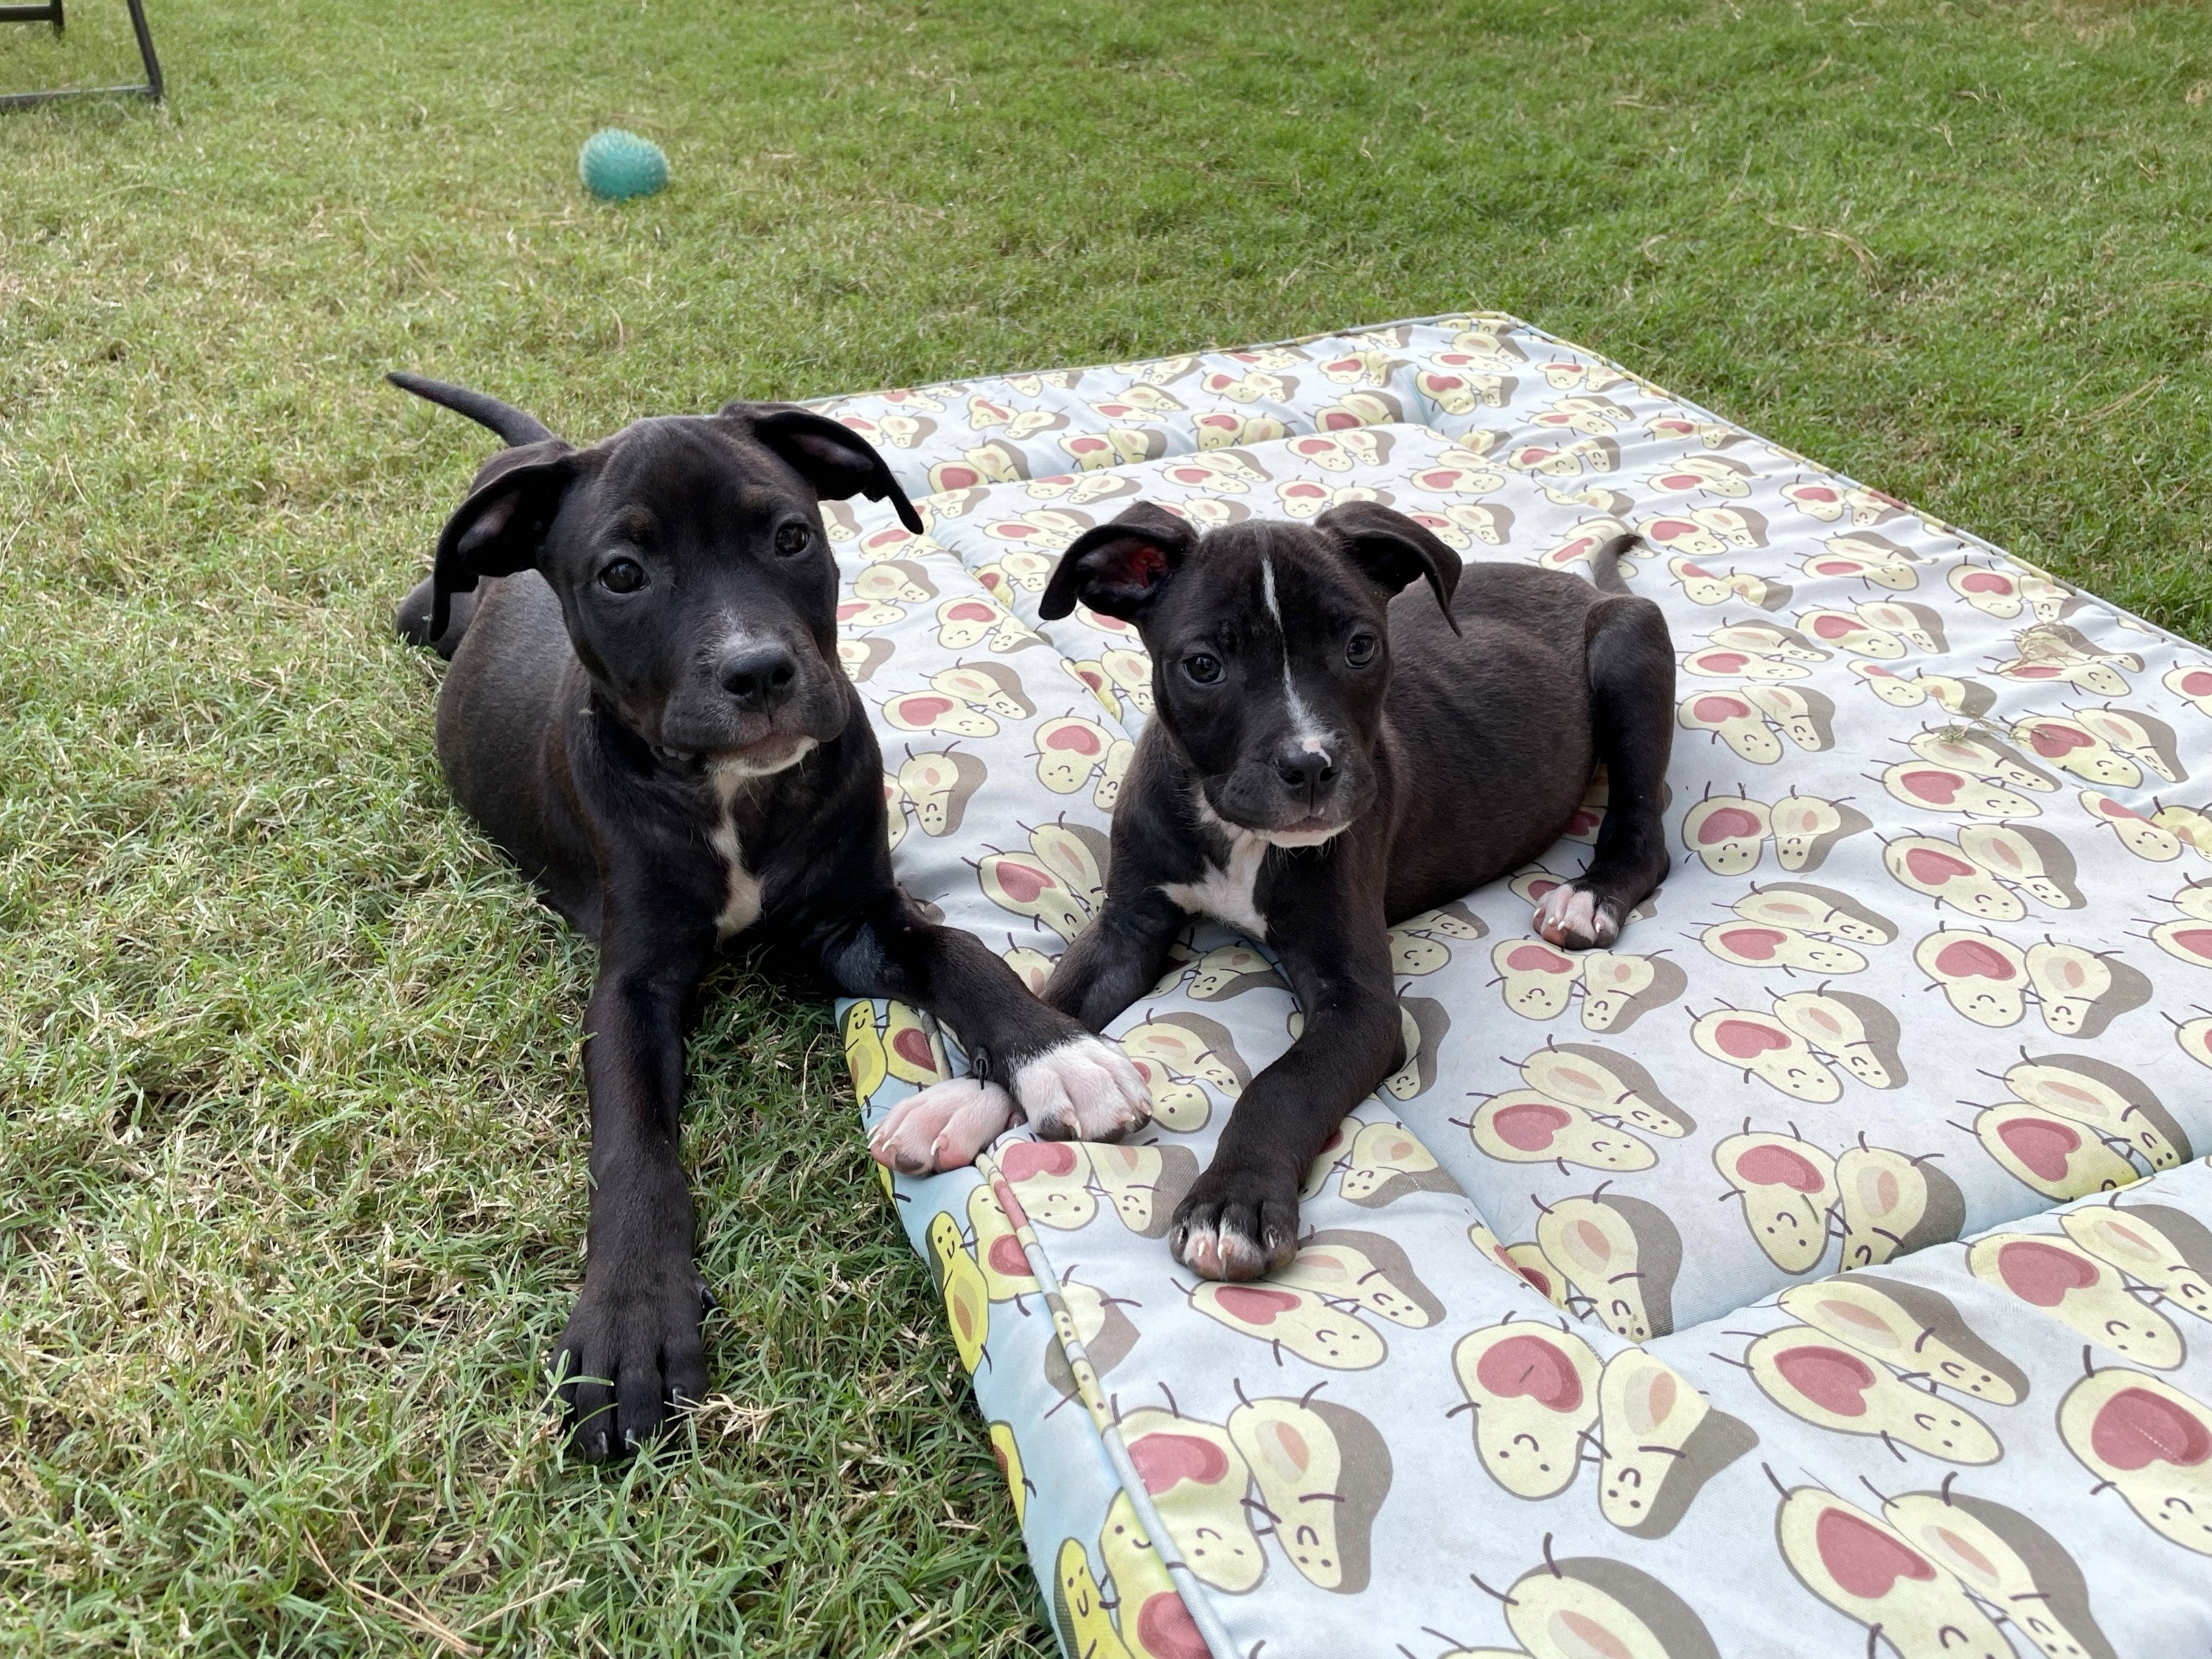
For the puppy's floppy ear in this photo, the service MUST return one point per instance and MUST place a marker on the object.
(1391, 551)
(500, 528)
(830, 456)
(1120, 567)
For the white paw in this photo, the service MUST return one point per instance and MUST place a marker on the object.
(1569, 915)
(942, 1126)
(1084, 1090)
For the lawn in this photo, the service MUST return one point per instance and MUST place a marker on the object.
(291, 1192)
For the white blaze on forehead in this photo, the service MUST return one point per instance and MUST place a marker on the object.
(1301, 719)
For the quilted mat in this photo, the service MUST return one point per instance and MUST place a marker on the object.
(1823, 1268)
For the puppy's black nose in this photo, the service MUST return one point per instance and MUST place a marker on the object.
(759, 676)
(1305, 771)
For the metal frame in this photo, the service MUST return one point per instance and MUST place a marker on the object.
(50, 11)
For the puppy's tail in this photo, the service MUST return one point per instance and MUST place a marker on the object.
(516, 426)
(1605, 564)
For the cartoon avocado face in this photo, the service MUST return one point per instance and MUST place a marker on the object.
(1386, 1164)
(1662, 1442)
(1143, 1183)
(2075, 1288)
(1025, 885)
(2072, 747)
(1149, 1615)
(1763, 944)
(1588, 1605)
(1620, 1252)
(2104, 1098)
(998, 1253)
(1294, 1321)
(1323, 1472)
(1944, 873)
(939, 783)
(2005, 1558)
(2034, 861)
(1910, 1327)
(1761, 1045)
(1190, 1045)
(1857, 1031)
(2057, 1159)
(1534, 1389)
(1814, 1378)
(1930, 787)
(1423, 1021)
(1788, 1187)
(2082, 991)
(1815, 910)
(1078, 1607)
(1894, 1205)
(2140, 834)
(1229, 970)
(1346, 1265)
(1196, 1479)
(1864, 1570)
(1983, 757)
(1618, 989)
(1051, 1180)
(2153, 1443)
(1538, 980)
(864, 1050)
(1599, 1080)
(1523, 1127)
(1806, 827)
(2165, 1248)
(967, 1304)
(1177, 1104)
(1728, 832)
(1982, 978)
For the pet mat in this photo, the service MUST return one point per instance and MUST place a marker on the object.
(1564, 1367)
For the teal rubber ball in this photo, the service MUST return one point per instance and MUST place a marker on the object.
(615, 165)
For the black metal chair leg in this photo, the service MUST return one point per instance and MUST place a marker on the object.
(50, 11)
(152, 87)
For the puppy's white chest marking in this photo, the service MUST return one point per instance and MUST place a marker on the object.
(741, 905)
(1225, 892)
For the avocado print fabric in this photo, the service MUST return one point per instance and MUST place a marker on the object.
(1569, 1364)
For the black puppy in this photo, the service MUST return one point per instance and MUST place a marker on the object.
(1325, 763)
(645, 712)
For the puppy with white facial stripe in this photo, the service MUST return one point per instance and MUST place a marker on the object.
(1333, 752)
(646, 711)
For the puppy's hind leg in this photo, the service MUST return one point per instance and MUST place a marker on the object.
(1630, 661)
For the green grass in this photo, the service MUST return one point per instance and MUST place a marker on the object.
(290, 1182)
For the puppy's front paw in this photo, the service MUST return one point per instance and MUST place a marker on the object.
(1574, 918)
(942, 1126)
(1235, 1223)
(631, 1356)
(1084, 1090)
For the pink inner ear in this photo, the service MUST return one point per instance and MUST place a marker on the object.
(1141, 564)
(491, 524)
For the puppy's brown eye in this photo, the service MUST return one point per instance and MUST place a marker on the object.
(623, 576)
(791, 539)
(1205, 669)
(1360, 650)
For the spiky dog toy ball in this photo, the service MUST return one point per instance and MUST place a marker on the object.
(615, 165)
